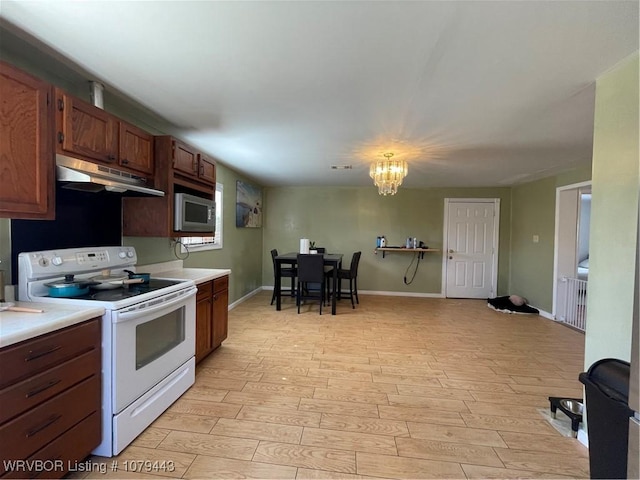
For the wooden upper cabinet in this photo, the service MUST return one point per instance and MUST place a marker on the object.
(206, 169)
(191, 164)
(136, 148)
(90, 133)
(27, 176)
(185, 159)
(85, 130)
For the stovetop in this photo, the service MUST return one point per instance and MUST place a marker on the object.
(128, 291)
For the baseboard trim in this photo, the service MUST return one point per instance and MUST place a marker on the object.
(245, 298)
(546, 315)
(384, 293)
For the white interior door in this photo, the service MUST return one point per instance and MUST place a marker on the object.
(471, 248)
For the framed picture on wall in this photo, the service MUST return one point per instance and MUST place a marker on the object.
(248, 205)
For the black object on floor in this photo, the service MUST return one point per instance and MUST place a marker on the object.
(560, 403)
(606, 386)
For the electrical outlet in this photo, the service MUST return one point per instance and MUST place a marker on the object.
(536, 238)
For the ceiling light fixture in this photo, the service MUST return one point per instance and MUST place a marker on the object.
(388, 174)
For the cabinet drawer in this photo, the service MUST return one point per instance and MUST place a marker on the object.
(38, 354)
(29, 432)
(204, 291)
(66, 451)
(31, 392)
(220, 284)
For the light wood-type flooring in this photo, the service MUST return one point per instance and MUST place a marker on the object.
(397, 388)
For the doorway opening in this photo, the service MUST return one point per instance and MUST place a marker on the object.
(571, 255)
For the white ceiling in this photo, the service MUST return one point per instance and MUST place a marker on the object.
(470, 93)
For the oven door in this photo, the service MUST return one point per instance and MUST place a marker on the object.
(150, 341)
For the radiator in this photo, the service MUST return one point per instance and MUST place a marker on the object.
(573, 302)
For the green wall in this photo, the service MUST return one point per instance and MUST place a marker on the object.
(614, 217)
(348, 219)
(533, 213)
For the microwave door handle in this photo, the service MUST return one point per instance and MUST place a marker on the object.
(123, 317)
(209, 213)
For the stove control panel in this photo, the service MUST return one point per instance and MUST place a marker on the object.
(74, 260)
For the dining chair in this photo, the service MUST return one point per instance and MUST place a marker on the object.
(290, 272)
(311, 279)
(350, 274)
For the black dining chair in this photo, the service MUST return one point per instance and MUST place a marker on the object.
(311, 279)
(350, 274)
(290, 272)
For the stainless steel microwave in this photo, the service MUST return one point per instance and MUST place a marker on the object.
(194, 214)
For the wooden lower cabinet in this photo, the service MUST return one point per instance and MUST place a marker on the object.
(50, 402)
(212, 316)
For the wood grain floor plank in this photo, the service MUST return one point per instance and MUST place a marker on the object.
(280, 416)
(350, 395)
(449, 433)
(427, 402)
(333, 406)
(478, 472)
(509, 424)
(352, 423)
(258, 398)
(186, 422)
(448, 451)
(554, 463)
(207, 444)
(405, 467)
(221, 468)
(201, 407)
(434, 392)
(300, 380)
(257, 430)
(522, 441)
(279, 389)
(309, 474)
(352, 441)
(412, 414)
(306, 457)
(352, 385)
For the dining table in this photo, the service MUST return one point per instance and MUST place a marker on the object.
(330, 260)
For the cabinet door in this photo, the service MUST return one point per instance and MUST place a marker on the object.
(220, 310)
(204, 319)
(207, 169)
(26, 147)
(136, 149)
(185, 160)
(86, 130)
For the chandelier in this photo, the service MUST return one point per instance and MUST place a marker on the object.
(388, 174)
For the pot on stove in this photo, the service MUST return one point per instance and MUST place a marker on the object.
(106, 281)
(69, 287)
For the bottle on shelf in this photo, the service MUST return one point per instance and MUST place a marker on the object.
(383, 241)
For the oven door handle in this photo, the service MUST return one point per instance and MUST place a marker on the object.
(124, 316)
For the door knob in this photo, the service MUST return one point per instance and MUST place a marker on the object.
(451, 250)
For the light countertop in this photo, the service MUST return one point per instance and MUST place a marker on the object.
(198, 275)
(174, 269)
(18, 326)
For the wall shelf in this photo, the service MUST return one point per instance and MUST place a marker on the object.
(421, 251)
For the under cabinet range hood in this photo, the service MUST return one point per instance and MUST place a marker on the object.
(90, 177)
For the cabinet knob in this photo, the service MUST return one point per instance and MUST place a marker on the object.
(111, 158)
(125, 161)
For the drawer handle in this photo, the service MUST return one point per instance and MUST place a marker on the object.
(52, 419)
(35, 355)
(42, 388)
